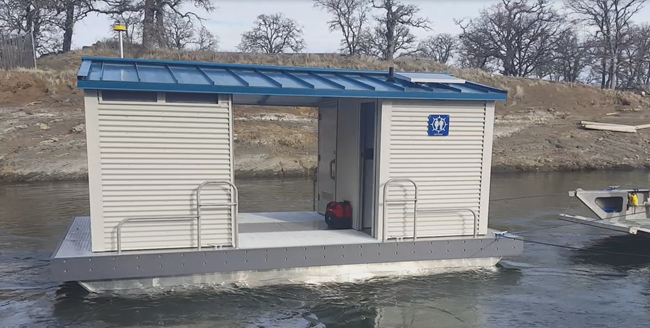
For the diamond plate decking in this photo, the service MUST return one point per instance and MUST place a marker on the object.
(77, 241)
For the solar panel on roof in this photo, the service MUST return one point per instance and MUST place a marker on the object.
(429, 78)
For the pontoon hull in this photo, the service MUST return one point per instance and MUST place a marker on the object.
(358, 259)
(308, 275)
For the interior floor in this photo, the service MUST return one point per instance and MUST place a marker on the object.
(280, 221)
(303, 238)
(291, 229)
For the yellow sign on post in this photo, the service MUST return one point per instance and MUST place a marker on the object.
(119, 28)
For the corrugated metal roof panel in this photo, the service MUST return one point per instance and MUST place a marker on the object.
(173, 76)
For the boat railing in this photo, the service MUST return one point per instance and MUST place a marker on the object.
(444, 210)
(233, 204)
(387, 202)
(148, 220)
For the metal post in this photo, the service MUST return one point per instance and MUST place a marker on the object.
(121, 45)
(33, 46)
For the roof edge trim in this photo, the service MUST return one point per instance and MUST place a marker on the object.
(485, 87)
(332, 93)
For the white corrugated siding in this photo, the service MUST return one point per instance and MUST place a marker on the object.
(448, 170)
(153, 156)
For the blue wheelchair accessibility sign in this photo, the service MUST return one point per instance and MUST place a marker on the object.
(438, 125)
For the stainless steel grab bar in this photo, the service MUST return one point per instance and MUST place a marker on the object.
(458, 209)
(148, 219)
(234, 204)
(400, 201)
(199, 205)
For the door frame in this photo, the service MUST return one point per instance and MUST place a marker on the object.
(362, 141)
(326, 103)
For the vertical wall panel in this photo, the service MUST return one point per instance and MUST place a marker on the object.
(151, 158)
(347, 157)
(449, 170)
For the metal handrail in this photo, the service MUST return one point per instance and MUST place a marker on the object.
(234, 205)
(147, 219)
(458, 209)
(401, 201)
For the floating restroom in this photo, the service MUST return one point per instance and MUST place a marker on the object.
(411, 153)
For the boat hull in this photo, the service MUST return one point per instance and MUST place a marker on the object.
(310, 275)
(330, 256)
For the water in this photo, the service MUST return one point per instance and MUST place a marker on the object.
(545, 287)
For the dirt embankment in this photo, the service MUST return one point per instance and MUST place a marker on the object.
(41, 142)
(42, 133)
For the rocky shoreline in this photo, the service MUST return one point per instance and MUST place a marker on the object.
(82, 175)
(47, 143)
(296, 172)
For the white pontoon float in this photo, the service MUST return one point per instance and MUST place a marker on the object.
(613, 210)
(410, 151)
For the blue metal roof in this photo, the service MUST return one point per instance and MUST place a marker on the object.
(176, 76)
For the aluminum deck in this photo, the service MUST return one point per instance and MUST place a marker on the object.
(257, 230)
(281, 245)
(635, 227)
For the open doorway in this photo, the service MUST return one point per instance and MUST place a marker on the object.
(339, 137)
(346, 158)
(367, 133)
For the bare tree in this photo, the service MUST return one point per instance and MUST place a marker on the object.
(635, 59)
(32, 16)
(571, 55)
(153, 13)
(392, 32)
(612, 20)
(597, 54)
(273, 34)
(70, 12)
(517, 33)
(440, 48)
(472, 55)
(206, 40)
(178, 31)
(349, 16)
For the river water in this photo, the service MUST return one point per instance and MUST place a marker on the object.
(545, 287)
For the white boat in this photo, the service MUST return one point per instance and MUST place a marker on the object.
(411, 153)
(614, 210)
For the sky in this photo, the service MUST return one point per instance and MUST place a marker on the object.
(234, 17)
